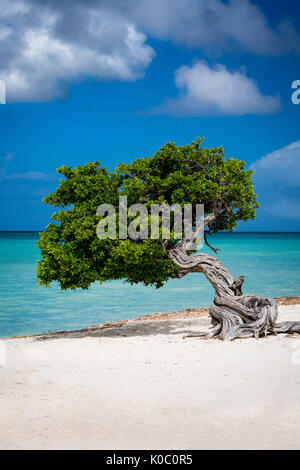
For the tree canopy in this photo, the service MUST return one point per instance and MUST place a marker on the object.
(73, 255)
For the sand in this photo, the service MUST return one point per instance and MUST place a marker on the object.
(139, 385)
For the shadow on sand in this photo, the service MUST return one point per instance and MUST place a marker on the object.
(138, 328)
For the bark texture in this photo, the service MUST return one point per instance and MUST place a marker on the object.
(233, 314)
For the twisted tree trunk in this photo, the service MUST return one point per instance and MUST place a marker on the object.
(233, 314)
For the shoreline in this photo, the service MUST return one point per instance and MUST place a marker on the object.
(189, 313)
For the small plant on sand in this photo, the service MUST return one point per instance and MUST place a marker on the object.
(74, 256)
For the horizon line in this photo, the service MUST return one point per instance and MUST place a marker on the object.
(236, 231)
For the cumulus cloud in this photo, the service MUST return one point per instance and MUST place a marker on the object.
(277, 182)
(213, 25)
(212, 90)
(46, 45)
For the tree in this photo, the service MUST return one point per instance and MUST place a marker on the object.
(74, 256)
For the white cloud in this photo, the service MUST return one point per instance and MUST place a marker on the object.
(277, 182)
(47, 44)
(214, 25)
(211, 90)
(282, 166)
(45, 47)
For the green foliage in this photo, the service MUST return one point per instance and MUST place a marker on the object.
(73, 255)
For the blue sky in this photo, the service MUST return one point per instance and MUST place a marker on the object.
(114, 81)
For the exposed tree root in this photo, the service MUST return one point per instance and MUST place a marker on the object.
(233, 315)
(245, 317)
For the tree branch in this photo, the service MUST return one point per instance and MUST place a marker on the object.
(210, 218)
(209, 245)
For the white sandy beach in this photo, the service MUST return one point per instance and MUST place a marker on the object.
(141, 386)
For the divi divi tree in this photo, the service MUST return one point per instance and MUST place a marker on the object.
(73, 255)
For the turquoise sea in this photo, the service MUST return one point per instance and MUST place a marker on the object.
(270, 262)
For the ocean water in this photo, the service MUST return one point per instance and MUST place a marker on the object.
(270, 262)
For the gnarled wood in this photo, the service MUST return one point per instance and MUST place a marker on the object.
(233, 314)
